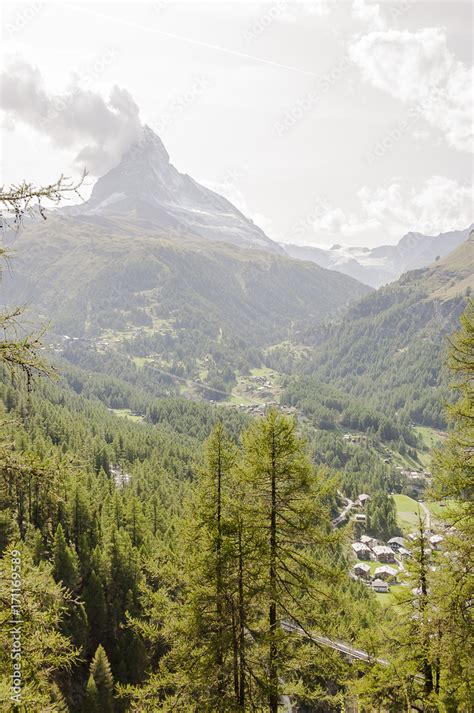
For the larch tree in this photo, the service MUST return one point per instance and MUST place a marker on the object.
(454, 487)
(200, 666)
(428, 638)
(290, 527)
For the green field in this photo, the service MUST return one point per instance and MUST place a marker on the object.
(126, 413)
(388, 599)
(430, 436)
(407, 511)
(141, 361)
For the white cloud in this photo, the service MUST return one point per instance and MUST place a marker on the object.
(387, 213)
(103, 129)
(369, 13)
(418, 69)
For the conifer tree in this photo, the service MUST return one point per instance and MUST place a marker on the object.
(91, 698)
(290, 526)
(47, 654)
(429, 636)
(65, 562)
(201, 664)
(454, 487)
(96, 608)
(104, 683)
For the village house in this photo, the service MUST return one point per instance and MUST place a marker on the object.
(387, 573)
(435, 541)
(378, 585)
(361, 551)
(369, 541)
(396, 543)
(404, 554)
(362, 499)
(360, 517)
(362, 570)
(384, 553)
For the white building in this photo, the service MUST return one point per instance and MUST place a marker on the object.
(378, 585)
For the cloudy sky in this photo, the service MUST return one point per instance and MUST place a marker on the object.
(325, 121)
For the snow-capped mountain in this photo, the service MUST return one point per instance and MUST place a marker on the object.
(378, 266)
(146, 188)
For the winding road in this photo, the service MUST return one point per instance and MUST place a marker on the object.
(427, 515)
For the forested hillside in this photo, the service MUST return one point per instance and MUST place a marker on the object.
(168, 294)
(390, 347)
(150, 559)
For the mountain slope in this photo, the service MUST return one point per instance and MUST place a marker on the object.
(383, 264)
(146, 188)
(87, 277)
(164, 271)
(389, 347)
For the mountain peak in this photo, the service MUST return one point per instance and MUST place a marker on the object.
(148, 146)
(146, 187)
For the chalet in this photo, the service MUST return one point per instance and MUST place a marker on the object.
(362, 499)
(384, 553)
(435, 541)
(396, 543)
(362, 570)
(403, 553)
(361, 551)
(378, 585)
(360, 517)
(368, 540)
(387, 573)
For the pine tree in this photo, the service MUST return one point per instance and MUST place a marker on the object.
(91, 699)
(96, 608)
(65, 562)
(104, 683)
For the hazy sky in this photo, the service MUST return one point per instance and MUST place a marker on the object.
(324, 121)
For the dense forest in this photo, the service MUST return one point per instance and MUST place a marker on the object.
(168, 553)
(157, 573)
